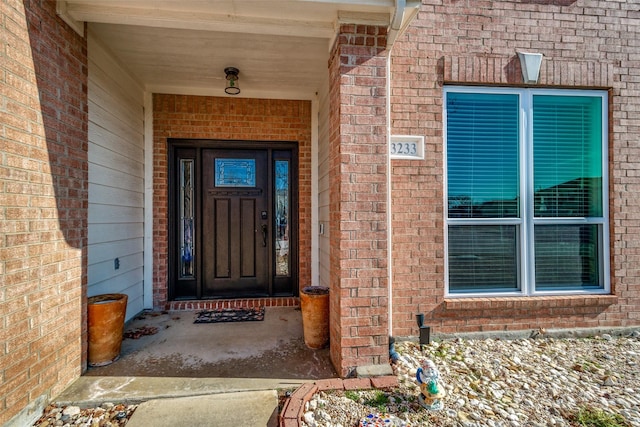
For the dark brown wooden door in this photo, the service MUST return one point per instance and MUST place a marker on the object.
(234, 227)
(236, 238)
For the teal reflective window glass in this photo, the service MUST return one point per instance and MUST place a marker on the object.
(483, 257)
(482, 155)
(526, 187)
(566, 257)
(567, 152)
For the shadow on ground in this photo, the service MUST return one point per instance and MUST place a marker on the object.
(272, 348)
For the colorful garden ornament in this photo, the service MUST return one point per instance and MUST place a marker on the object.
(431, 390)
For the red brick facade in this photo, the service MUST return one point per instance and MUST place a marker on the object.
(44, 175)
(358, 198)
(586, 44)
(43, 205)
(193, 117)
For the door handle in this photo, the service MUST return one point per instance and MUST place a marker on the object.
(264, 235)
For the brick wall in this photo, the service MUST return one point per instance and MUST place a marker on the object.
(358, 198)
(586, 44)
(182, 116)
(43, 206)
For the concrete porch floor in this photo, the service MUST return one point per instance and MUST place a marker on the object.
(270, 349)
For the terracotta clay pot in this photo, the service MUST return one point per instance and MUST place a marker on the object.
(106, 315)
(314, 303)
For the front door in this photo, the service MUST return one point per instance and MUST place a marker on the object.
(235, 223)
(233, 215)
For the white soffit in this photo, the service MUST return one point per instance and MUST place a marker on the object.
(281, 47)
(302, 18)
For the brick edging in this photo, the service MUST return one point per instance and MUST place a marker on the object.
(293, 408)
(231, 303)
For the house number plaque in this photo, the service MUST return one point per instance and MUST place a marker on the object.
(406, 147)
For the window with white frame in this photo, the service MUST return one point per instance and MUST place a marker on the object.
(526, 191)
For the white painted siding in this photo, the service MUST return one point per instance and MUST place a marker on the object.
(116, 179)
(323, 181)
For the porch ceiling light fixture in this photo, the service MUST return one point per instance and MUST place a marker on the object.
(232, 81)
(530, 65)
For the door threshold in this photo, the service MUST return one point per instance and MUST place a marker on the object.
(213, 304)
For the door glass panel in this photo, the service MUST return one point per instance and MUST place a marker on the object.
(186, 219)
(235, 173)
(282, 217)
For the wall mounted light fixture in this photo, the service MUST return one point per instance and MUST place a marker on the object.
(232, 81)
(530, 64)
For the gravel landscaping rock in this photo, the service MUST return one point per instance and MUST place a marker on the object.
(492, 382)
(106, 415)
(538, 382)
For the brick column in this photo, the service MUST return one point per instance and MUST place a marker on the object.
(358, 194)
(43, 207)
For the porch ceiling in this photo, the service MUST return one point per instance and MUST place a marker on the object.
(281, 47)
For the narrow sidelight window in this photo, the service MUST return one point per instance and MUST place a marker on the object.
(282, 220)
(186, 220)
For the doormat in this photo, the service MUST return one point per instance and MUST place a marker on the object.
(243, 314)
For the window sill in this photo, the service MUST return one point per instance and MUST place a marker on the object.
(506, 303)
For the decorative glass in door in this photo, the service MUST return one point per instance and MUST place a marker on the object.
(186, 220)
(281, 217)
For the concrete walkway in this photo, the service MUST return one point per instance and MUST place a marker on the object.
(272, 348)
(228, 402)
(257, 408)
(94, 391)
(186, 374)
(176, 402)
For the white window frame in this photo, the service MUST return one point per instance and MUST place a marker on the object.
(526, 220)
